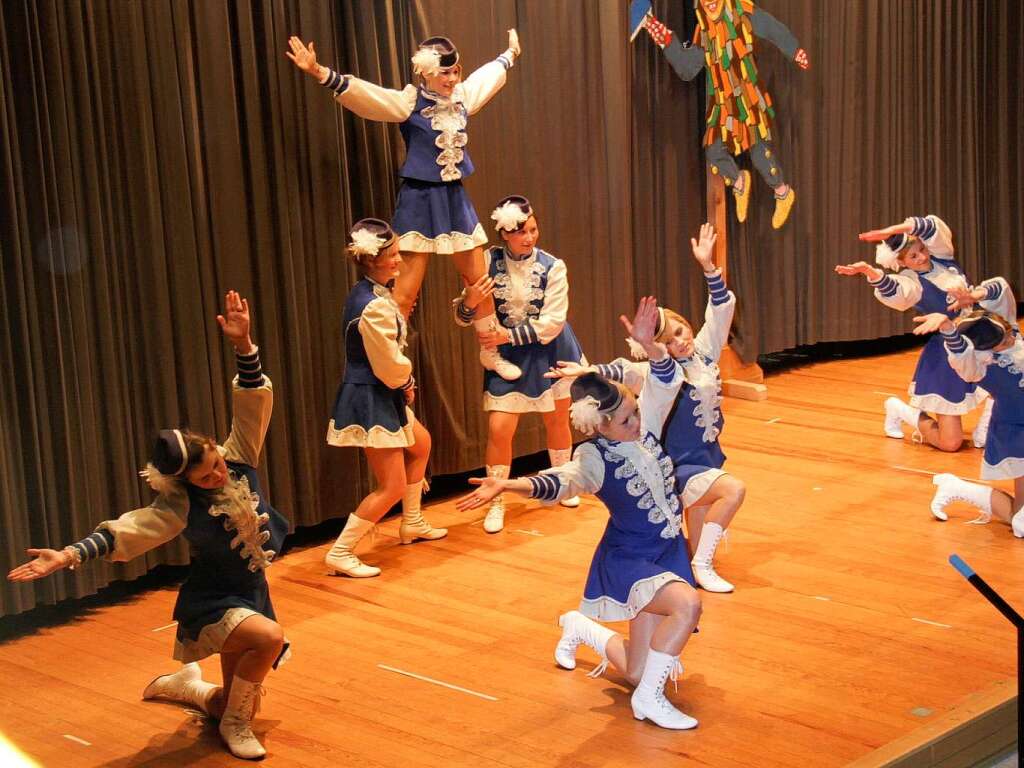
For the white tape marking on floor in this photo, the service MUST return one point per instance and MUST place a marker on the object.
(437, 682)
(774, 421)
(911, 469)
(819, 597)
(933, 623)
(165, 626)
(77, 740)
(816, 488)
(529, 533)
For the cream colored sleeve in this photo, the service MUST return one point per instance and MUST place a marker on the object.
(378, 326)
(373, 102)
(141, 530)
(250, 417)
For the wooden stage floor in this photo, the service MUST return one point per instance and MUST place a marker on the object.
(848, 628)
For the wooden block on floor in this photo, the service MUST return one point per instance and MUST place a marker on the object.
(744, 390)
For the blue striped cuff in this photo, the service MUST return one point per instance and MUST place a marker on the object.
(523, 334)
(955, 343)
(336, 82)
(545, 487)
(612, 371)
(250, 371)
(664, 370)
(716, 286)
(464, 313)
(410, 384)
(506, 61)
(96, 544)
(993, 290)
(923, 227)
(886, 286)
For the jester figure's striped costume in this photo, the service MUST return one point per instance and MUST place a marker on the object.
(740, 112)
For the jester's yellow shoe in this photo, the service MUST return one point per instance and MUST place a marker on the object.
(742, 198)
(783, 205)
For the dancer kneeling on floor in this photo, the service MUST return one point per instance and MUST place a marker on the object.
(640, 571)
(927, 277)
(983, 347)
(710, 496)
(211, 494)
(531, 289)
(371, 410)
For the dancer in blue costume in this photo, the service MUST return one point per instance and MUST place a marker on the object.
(371, 410)
(532, 291)
(710, 496)
(984, 347)
(433, 213)
(210, 493)
(640, 571)
(928, 278)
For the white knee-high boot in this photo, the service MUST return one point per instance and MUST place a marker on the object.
(648, 700)
(578, 629)
(236, 722)
(897, 413)
(341, 557)
(494, 521)
(186, 685)
(414, 525)
(491, 359)
(980, 433)
(951, 488)
(558, 457)
(703, 568)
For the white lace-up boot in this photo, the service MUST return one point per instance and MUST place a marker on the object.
(980, 433)
(186, 685)
(491, 359)
(577, 629)
(649, 701)
(703, 569)
(414, 525)
(236, 722)
(342, 559)
(897, 413)
(951, 488)
(494, 520)
(558, 457)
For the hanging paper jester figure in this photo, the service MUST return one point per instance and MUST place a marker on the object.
(740, 111)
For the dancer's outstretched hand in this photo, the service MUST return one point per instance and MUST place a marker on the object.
(235, 322)
(965, 298)
(513, 43)
(936, 321)
(303, 56)
(489, 488)
(878, 235)
(568, 370)
(704, 247)
(642, 328)
(801, 59)
(46, 561)
(860, 268)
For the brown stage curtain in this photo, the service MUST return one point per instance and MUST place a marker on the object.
(157, 153)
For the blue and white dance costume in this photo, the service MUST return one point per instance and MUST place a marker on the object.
(370, 409)
(935, 387)
(531, 300)
(643, 546)
(1002, 376)
(691, 433)
(234, 532)
(433, 213)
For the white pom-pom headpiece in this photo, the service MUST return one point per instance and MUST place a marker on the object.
(887, 252)
(366, 243)
(158, 481)
(586, 415)
(426, 62)
(511, 213)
